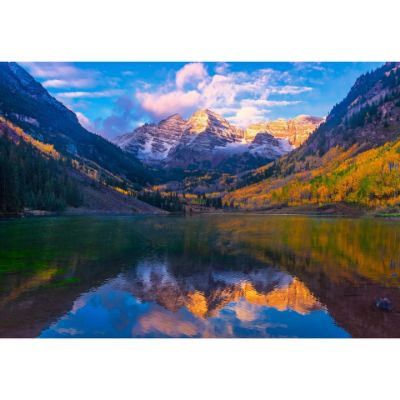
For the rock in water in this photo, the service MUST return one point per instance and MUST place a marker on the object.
(384, 304)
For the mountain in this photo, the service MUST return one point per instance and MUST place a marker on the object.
(267, 145)
(205, 293)
(208, 141)
(368, 116)
(296, 130)
(351, 158)
(153, 142)
(27, 104)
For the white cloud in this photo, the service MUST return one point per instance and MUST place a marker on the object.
(162, 105)
(51, 69)
(220, 90)
(222, 68)
(62, 75)
(73, 83)
(247, 115)
(190, 73)
(96, 94)
(241, 97)
(267, 103)
(309, 66)
(290, 89)
(128, 73)
(84, 121)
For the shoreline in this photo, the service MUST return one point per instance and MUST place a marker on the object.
(327, 211)
(76, 213)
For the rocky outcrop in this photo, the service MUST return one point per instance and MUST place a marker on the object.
(267, 146)
(296, 131)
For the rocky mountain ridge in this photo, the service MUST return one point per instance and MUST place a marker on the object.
(208, 140)
(295, 130)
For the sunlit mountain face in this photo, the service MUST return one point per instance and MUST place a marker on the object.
(207, 140)
(208, 276)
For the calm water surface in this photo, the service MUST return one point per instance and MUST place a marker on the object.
(203, 276)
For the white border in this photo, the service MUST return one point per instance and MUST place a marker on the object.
(203, 30)
(199, 369)
(199, 30)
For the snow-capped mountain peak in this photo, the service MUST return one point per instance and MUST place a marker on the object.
(206, 139)
(153, 142)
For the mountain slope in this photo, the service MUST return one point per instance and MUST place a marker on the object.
(35, 176)
(48, 161)
(352, 157)
(26, 103)
(370, 178)
(368, 116)
(153, 142)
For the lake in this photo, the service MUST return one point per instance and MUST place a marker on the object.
(203, 276)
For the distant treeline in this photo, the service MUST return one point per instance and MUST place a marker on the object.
(168, 202)
(29, 179)
(173, 203)
(203, 200)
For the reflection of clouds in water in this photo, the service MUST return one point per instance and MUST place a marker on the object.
(68, 331)
(245, 312)
(150, 301)
(166, 323)
(78, 304)
(148, 270)
(161, 322)
(128, 318)
(264, 278)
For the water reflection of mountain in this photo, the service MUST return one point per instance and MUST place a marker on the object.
(204, 294)
(202, 265)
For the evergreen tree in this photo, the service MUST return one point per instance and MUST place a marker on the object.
(30, 180)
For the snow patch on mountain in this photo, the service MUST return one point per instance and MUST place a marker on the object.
(207, 138)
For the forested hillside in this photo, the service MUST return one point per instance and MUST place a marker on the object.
(34, 175)
(370, 179)
(353, 157)
(28, 179)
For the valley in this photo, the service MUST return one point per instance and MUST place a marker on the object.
(348, 160)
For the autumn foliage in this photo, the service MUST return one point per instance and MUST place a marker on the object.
(370, 178)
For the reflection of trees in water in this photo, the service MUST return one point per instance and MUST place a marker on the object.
(346, 263)
(211, 261)
(341, 248)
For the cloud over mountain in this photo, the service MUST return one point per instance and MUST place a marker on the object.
(240, 92)
(238, 95)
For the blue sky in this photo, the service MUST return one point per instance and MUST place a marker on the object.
(111, 98)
